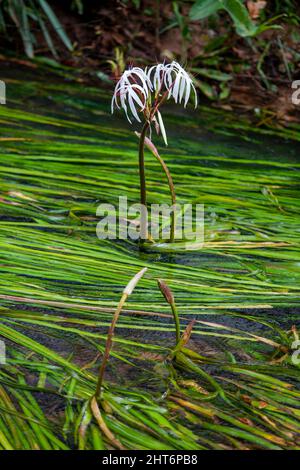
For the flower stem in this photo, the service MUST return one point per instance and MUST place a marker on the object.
(168, 295)
(126, 293)
(166, 170)
(173, 195)
(176, 320)
(108, 345)
(143, 194)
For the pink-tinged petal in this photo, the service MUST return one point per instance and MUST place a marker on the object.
(149, 72)
(156, 79)
(139, 88)
(132, 107)
(143, 82)
(137, 99)
(134, 84)
(122, 95)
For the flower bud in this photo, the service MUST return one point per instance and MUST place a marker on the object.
(166, 291)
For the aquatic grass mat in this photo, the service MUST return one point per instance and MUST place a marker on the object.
(235, 385)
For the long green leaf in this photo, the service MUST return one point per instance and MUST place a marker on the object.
(56, 24)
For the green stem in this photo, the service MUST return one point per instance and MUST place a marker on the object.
(143, 194)
(176, 320)
(173, 194)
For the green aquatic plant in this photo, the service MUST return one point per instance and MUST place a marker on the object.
(60, 284)
(144, 91)
(181, 356)
(168, 295)
(126, 293)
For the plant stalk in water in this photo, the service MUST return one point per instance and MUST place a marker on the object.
(143, 192)
(126, 293)
(154, 151)
(168, 295)
(145, 91)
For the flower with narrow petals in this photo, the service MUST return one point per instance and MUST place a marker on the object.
(156, 76)
(173, 78)
(144, 91)
(133, 90)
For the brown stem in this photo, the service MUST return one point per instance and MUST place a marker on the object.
(126, 293)
(102, 425)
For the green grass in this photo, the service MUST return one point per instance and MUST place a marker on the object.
(62, 154)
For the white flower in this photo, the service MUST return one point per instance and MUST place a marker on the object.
(158, 75)
(175, 80)
(133, 88)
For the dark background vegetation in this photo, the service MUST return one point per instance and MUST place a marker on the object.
(239, 63)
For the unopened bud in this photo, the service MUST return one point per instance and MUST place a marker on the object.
(166, 291)
(131, 284)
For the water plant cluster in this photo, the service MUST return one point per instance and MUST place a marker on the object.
(200, 355)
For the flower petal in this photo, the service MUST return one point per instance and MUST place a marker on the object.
(132, 107)
(162, 128)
